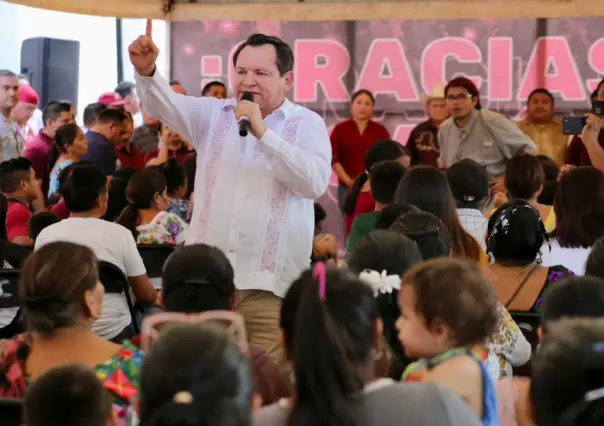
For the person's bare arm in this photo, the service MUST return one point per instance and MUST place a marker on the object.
(162, 155)
(22, 241)
(342, 175)
(463, 376)
(143, 289)
(589, 136)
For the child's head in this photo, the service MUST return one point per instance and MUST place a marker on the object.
(380, 151)
(469, 182)
(389, 214)
(176, 178)
(39, 222)
(386, 150)
(384, 179)
(382, 257)
(573, 297)
(427, 231)
(516, 234)
(84, 189)
(70, 140)
(337, 335)
(445, 304)
(18, 179)
(568, 374)
(198, 278)
(524, 177)
(70, 395)
(195, 374)
(146, 190)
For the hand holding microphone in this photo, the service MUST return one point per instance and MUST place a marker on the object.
(249, 117)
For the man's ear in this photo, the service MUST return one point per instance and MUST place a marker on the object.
(289, 80)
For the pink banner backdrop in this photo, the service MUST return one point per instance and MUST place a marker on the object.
(400, 60)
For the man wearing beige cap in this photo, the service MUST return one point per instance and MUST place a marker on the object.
(423, 140)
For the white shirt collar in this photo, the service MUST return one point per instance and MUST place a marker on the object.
(282, 112)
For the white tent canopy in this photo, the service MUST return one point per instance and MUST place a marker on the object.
(315, 10)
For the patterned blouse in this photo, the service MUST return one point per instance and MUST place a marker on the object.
(181, 208)
(120, 375)
(165, 228)
(509, 344)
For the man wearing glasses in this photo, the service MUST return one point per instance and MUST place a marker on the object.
(484, 136)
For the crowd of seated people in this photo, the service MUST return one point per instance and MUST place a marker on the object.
(423, 322)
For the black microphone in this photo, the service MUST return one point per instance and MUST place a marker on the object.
(244, 122)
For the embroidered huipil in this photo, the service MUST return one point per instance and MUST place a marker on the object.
(253, 198)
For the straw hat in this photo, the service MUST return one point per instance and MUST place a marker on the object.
(438, 92)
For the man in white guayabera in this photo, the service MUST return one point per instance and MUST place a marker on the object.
(254, 194)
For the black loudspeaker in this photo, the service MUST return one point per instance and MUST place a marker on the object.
(52, 67)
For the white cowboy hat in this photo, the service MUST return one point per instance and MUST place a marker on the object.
(438, 92)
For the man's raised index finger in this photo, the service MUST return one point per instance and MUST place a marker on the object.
(149, 30)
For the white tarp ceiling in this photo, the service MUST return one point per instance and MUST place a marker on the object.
(302, 10)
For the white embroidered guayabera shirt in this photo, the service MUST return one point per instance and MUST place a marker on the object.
(253, 198)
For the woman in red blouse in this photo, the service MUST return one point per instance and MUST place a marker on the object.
(351, 139)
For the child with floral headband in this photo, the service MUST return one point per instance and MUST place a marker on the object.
(449, 311)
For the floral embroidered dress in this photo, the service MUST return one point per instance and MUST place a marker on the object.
(120, 375)
(417, 371)
(181, 208)
(165, 228)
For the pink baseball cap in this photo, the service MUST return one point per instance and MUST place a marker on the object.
(111, 99)
(28, 95)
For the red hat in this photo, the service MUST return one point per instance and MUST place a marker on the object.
(28, 95)
(111, 99)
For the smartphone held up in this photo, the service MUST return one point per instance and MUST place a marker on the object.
(573, 125)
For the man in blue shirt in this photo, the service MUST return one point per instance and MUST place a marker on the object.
(109, 129)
